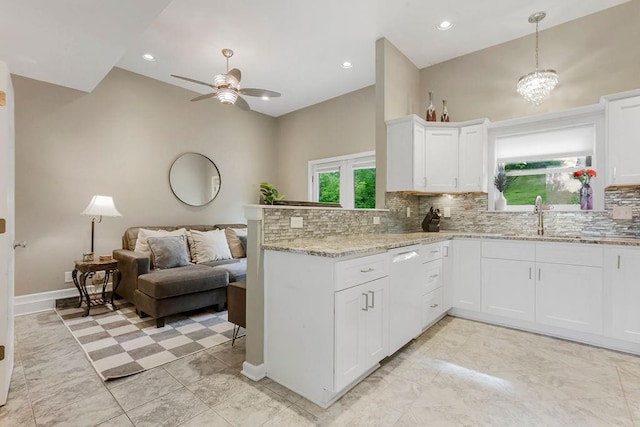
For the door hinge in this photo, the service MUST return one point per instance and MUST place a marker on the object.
(3, 225)
(1, 352)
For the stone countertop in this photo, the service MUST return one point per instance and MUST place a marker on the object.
(340, 246)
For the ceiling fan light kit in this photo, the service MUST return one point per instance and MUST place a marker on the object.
(227, 87)
(537, 85)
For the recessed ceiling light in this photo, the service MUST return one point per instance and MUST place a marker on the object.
(444, 25)
(265, 98)
(148, 57)
(347, 64)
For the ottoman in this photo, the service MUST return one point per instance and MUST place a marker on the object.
(176, 290)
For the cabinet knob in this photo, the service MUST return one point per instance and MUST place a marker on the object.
(367, 270)
(434, 305)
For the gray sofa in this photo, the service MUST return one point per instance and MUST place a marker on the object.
(160, 293)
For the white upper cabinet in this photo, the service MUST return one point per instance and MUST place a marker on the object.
(436, 157)
(472, 155)
(623, 141)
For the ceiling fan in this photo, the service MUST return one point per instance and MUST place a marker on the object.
(227, 87)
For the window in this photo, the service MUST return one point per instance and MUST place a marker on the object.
(542, 163)
(348, 180)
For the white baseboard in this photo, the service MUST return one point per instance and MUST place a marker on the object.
(43, 301)
(253, 372)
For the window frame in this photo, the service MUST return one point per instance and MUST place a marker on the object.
(345, 165)
(580, 117)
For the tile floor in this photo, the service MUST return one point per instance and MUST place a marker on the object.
(457, 373)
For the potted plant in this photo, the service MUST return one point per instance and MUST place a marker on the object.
(500, 182)
(269, 194)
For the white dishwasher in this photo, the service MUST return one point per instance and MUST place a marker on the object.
(404, 296)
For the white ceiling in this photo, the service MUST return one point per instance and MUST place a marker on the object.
(295, 47)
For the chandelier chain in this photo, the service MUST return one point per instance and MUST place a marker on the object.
(537, 46)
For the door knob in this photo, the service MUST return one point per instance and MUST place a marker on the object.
(22, 244)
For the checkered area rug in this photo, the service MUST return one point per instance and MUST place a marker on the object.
(120, 343)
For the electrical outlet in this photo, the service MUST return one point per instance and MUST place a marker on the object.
(447, 212)
(622, 212)
(67, 277)
(296, 222)
(376, 220)
(408, 211)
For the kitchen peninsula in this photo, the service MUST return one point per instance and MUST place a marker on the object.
(331, 301)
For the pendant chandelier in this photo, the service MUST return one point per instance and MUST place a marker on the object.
(538, 84)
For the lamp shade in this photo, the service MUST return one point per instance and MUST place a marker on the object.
(101, 206)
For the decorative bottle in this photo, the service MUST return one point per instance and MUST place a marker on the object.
(431, 110)
(445, 113)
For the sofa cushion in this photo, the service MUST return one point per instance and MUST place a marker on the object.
(142, 245)
(209, 246)
(168, 252)
(237, 269)
(233, 239)
(181, 280)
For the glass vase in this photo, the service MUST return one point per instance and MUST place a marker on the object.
(431, 110)
(586, 197)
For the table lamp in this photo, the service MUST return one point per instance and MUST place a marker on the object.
(100, 206)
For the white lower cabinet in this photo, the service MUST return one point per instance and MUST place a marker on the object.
(432, 282)
(622, 271)
(361, 325)
(508, 288)
(466, 274)
(569, 296)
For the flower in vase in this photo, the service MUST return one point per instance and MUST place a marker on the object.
(584, 175)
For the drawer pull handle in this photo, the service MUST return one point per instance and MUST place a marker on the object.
(433, 276)
(618, 262)
(435, 251)
(366, 302)
(434, 305)
(373, 299)
(529, 273)
(367, 270)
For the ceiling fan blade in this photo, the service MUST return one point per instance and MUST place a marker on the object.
(206, 96)
(236, 73)
(259, 92)
(240, 102)
(193, 81)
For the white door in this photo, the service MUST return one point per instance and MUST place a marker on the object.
(441, 160)
(569, 296)
(350, 307)
(466, 275)
(508, 288)
(377, 323)
(472, 159)
(7, 150)
(622, 269)
(623, 127)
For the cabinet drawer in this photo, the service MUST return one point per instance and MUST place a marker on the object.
(586, 254)
(431, 252)
(431, 276)
(433, 306)
(503, 249)
(360, 270)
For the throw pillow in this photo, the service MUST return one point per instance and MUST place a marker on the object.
(168, 252)
(143, 234)
(235, 245)
(210, 246)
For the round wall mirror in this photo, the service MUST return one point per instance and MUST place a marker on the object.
(194, 179)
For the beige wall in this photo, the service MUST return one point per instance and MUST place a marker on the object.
(397, 94)
(339, 126)
(594, 56)
(120, 140)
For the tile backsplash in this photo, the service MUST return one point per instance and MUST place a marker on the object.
(468, 214)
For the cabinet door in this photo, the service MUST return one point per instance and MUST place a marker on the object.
(377, 323)
(433, 306)
(623, 141)
(473, 158)
(466, 274)
(508, 288)
(569, 296)
(622, 270)
(361, 330)
(405, 155)
(350, 307)
(441, 159)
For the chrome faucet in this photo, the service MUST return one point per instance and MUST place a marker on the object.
(537, 209)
